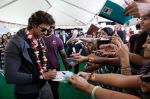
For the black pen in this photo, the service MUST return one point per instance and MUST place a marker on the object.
(64, 73)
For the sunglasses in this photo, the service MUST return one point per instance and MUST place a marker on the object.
(44, 29)
(52, 27)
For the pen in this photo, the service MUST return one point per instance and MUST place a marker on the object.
(64, 73)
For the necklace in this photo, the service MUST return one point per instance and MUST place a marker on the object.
(38, 46)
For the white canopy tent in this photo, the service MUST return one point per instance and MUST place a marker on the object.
(67, 13)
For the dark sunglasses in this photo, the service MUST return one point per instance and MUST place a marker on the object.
(52, 27)
(44, 29)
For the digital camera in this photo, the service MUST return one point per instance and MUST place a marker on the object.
(104, 40)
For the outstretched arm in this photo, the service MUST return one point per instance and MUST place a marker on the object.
(137, 59)
(117, 80)
(99, 92)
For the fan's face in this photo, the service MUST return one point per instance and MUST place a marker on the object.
(145, 23)
(146, 47)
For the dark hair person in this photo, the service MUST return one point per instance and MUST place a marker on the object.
(26, 62)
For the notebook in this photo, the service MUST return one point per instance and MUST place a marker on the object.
(92, 29)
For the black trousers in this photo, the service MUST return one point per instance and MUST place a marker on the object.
(44, 93)
(76, 68)
(26, 96)
(54, 87)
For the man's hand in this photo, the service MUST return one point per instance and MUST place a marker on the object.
(50, 74)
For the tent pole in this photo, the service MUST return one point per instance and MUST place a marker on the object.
(7, 4)
(77, 7)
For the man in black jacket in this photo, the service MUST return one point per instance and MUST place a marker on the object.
(26, 62)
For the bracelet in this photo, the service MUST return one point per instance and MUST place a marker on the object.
(93, 92)
(126, 71)
(125, 67)
(92, 76)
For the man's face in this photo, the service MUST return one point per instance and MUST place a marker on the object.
(41, 30)
(63, 32)
(146, 47)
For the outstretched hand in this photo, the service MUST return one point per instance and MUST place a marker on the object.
(121, 49)
(85, 75)
(80, 58)
(137, 9)
(79, 82)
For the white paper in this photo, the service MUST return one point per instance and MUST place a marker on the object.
(62, 76)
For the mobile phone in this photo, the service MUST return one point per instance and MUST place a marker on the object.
(145, 78)
(104, 40)
(71, 62)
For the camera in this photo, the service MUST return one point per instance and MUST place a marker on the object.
(104, 40)
(145, 78)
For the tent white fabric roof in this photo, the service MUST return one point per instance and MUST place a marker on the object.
(65, 12)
